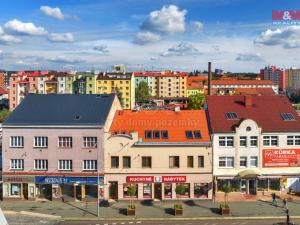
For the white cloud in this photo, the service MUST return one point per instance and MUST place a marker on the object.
(101, 48)
(168, 20)
(18, 27)
(181, 49)
(52, 12)
(61, 37)
(143, 38)
(64, 59)
(287, 37)
(197, 26)
(21, 62)
(8, 39)
(1, 51)
(248, 57)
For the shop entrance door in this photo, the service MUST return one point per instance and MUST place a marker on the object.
(252, 187)
(25, 191)
(78, 194)
(157, 190)
(113, 190)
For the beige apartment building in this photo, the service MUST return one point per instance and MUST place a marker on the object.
(292, 79)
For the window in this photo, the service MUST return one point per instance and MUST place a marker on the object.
(231, 115)
(126, 162)
(226, 162)
(15, 189)
(65, 164)
(16, 142)
(115, 162)
(190, 161)
(253, 141)
(90, 165)
(243, 141)
(293, 140)
(253, 161)
(287, 116)
(201, 161)
(197, 134)
(147, 190)
(115, 132)
(174, 161)
(146, 162)
(17, 164)
(270, 140)
(90, 142)
(65, 142)
(189, 134)
(226, 141)
(40, 142)
(148, 134)
(41, 164)
(243, 161)
(164, 134)
(156, 134)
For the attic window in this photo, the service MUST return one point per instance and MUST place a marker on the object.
(115, 132)
(164, 134)
(77, 117)
(287, 116)
(231, 116)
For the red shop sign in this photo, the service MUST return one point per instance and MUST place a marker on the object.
(140, 179)
(174, 179)
(281, 158)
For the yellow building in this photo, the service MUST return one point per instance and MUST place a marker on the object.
(292, 79)
(122, 84)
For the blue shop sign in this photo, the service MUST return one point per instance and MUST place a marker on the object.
(67, 180)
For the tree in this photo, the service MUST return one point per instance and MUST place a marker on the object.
(119, 95)
(142, 92)
(4, 114)
(196, 101)
(131, 190)
(226, 189)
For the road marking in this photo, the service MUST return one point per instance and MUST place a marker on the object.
(138, 222)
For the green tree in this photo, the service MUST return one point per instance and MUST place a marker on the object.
(142, 92)
(119, 95)
(4, 114)
(226, 189)
(196, 101)
(132, 192)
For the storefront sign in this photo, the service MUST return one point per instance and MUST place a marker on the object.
(67, 180)
(174, 179)
(18, 179)
(140, 179)
(281, 158)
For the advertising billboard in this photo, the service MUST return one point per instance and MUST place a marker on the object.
(281, 157)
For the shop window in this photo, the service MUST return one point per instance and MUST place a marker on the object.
(186, 187)
(16, 142)
(125, 190)
(90, 142)
(274, 184)
(65, 142)
(126, 162)
(15, 189)
(40, 142)
(115, 162)
(174, 161)
(168, 190)
(147, 190)
(262, 184)
(226, 141)
(146, 162)
(190, 161)
(253, 141)
(221, 183)
(243, 161)
(253, 161)
(243, 141)
(235, 185)
(201, 190)
(201, 161)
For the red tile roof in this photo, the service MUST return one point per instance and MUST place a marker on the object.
(242, 82)
(196, 82)
(243, 91)
(3, 91)
(265, 110)
(176, 123)
(159, 74)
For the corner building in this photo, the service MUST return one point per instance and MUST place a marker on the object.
(156, 151)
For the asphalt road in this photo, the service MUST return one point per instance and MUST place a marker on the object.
(210, 222)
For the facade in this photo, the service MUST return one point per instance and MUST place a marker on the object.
(157, 150)
(274, 74)
(292, 79)
(195, 85)
(256, 145)
(56, 152)
(84, 83)
(120, 83)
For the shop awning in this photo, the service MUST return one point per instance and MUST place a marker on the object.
(249, 173)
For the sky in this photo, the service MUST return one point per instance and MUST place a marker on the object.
(235, 35)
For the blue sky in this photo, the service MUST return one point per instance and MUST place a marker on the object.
(235, 35)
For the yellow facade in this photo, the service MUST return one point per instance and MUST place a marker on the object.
(172, 86)
(292, 79)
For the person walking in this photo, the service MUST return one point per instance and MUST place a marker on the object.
(274, 201)
(285, 205)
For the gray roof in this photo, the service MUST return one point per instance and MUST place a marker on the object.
(62, 109)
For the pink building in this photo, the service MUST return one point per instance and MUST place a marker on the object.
(274, 74)
(53, 148)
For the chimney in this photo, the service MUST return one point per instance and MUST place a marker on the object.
(248, 101)
(209, 79)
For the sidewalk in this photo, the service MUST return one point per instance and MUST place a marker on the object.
(149, 209)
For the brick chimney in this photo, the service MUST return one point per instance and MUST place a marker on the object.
(209, 79)
(248, 101)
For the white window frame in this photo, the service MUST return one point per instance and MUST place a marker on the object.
(41, 164)
(40, 142)
(68, 164)
(256, 160)
(16, 142)
(68, 140)
(252, 138)
(89, 165)
(293, 138)
(244, 157)
(226, 161)
(270, 138)
(226, 139)
(243, 138)
(16, 164)
(92, 143)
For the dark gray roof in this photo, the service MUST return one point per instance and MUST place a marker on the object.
(62, 109)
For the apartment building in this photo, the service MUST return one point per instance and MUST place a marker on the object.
(195, 85)
(256, 144)
(292, 78)
(275, 74)
(84, 83)
(53, 146)
(123, 84)
(158, 150)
